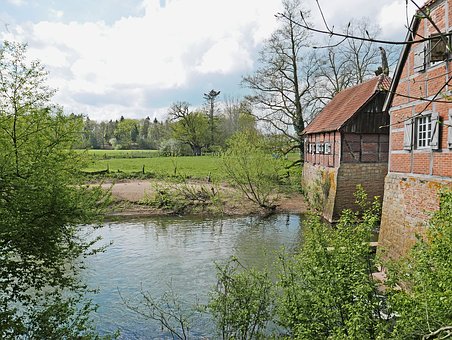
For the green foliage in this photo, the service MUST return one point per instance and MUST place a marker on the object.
(126, 133)
(424, 305)
(241, 304)
(192, 129)
(173, 147)
(252, 168)
(328, 290)
(42, 201)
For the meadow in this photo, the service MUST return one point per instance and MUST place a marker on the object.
(148, 163)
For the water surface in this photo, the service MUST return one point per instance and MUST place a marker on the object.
(151, 254)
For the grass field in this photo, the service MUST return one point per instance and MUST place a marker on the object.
(186, 166)
(127, 163)
(109, 154)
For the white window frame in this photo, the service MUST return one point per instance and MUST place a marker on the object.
(327, 148)
(423, 131)
(426, 131)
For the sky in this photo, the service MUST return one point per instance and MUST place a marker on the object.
(134, 58)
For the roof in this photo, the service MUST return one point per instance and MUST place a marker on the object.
(345, 104)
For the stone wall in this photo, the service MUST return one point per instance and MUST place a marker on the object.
(370, 175)
(408, 203)
(319, 185)
(331, 189)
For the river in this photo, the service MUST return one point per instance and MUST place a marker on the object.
(152, 254)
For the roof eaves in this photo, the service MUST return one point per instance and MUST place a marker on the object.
(401, 63)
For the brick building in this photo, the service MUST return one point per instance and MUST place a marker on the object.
(345, 146)
(420, 108)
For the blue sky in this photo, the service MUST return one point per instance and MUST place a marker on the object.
(109, 58)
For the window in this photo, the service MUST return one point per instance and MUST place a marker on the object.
(433, 51)
(327, 148)
(423, 132)
(317, 147)
(438, 48)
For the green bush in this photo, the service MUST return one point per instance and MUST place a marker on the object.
(424, 305)
(242, 302)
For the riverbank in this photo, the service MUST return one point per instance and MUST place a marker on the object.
(140, 198)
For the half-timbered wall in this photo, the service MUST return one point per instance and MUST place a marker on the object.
(323, 149)
(364, 148)
(418, 168)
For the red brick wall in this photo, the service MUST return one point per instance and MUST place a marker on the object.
(420, 85)
(415, 176)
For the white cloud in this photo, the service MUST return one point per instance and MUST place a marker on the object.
(395, 17)
(166, 48)
(53, 56)
(56, 13)
(225, 56)
(17, 2)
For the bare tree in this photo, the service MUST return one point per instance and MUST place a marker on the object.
(236, 116)
(342, 64)
(283, 77)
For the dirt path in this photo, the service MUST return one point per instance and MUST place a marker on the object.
(127, 195)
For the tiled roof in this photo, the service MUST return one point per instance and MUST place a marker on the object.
(345, 104)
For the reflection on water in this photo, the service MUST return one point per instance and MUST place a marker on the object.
(152, 253)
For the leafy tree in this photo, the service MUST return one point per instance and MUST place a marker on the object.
(284, 77)
(126, 133)
(191, 128)
(92, 136)
(158, 133)
(328, 290)
(252, 168)
(42, 202)
(143, 141)
(242, 302)
(210, 98)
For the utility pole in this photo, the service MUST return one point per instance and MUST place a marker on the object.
(210, 97)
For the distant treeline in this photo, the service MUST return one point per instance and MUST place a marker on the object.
(184, 132)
